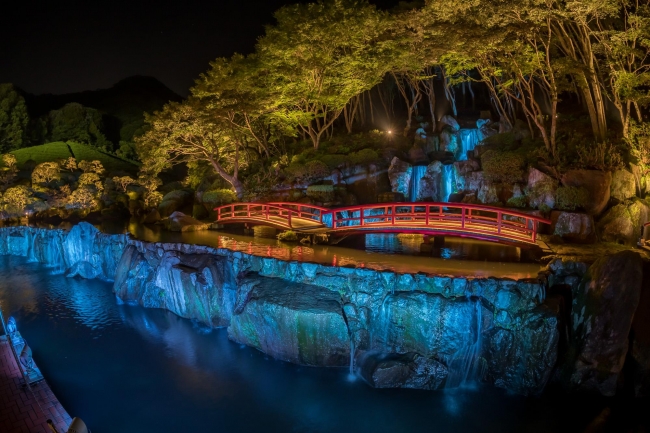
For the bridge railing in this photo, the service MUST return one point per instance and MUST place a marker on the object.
(460, 217)
(267, 211)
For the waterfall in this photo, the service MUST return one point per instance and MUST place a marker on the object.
(447, 178)
(465, 365)
(414, 187)
(31, 247)
(351, 375)
(469, 138)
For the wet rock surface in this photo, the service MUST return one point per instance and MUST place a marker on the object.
(603, 307)
(408, 370)
(573, 226)
(596, 182)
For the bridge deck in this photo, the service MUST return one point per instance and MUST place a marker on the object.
(452, 219)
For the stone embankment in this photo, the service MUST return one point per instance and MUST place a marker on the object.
(396, 330)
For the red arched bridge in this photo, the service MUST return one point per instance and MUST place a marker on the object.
(435, 219)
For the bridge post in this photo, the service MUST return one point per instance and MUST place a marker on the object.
(438, 241)
(360, 216)
(392, 211)
(499, 222)
(289, 218)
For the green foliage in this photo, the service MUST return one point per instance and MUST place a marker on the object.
(16, 198)
(307, 173)
(74, 122)
(520, 202)
(83, 198)
(288, 236)
(46, 172)
(59, 151)
(94, 166)
(13, 119)
(334, 161)
(571, 198)
(123, 182)
(503, 166)
(219, 197)
(321, 193)
(639, 145)
(364, 157)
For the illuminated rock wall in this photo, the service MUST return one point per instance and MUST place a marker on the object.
(408, 330)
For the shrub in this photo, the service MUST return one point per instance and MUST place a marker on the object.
(307, 173)
(518, 202)
(364, 157)
(218, 197)
(321, 193)
(288, 236)
(82, 198)
(46, 172)
(503, 166)
(571, 198)
(15, 199)
(334, 161)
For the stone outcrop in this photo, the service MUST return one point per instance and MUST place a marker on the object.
(541, 189)
(429, 189)
(449, 121)
(425, 329)
(623, 222)
(623, 185)
(299, 323)
(399, 174)
(175, 201)
(179, 222)
(596, 182)
(573, 226)
(604, 304)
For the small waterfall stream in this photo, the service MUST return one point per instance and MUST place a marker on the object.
(465, 365)
(414, 186)
(469, 138)
(447, 182)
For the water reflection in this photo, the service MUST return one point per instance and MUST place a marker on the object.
(398, 253)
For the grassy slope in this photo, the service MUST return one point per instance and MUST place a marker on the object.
(60, 150)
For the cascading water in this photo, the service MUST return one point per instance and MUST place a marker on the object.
(465, 365)
(414, 187)
(447, 182)
(469, 138)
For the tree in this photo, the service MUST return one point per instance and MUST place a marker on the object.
(16, 198)
(318, 57)
(13, 118)
(91, 167)
(74, 122)
(123, 182)
(184, 132)
(9, 168)
(69, 164)
(46, 172)
(82, 198)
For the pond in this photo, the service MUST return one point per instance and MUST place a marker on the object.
(129, 369)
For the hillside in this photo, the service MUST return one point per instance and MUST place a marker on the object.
(60, 150)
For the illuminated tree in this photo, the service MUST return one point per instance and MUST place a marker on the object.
(69, 164)
(82, 198)
(16, 198)
(184, 132)
(123, 182)
(13, 118)
(46, 172)
(91, 167)
(318, 57)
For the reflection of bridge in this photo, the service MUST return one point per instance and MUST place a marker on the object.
(435, 219)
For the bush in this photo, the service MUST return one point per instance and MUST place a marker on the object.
(571, 198)
(307, 173)
(334, 161)
(503, 166)
(321, 193)
(288, 236)
(364, 157)
(219, 197)
(518, 202)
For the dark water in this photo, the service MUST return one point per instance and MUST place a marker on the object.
(129, 369)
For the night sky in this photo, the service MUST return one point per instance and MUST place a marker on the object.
(68, 46)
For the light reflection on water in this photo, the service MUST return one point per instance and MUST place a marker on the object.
(398, 253)
(129, 369)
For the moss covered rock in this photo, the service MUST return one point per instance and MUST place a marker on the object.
(622, 223)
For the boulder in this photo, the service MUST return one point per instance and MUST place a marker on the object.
(174, 201)
(409, 370)
(450, 142)
(179, 222)
(417, 155)
(623, 223)
(573, 226)
(399, 174)
(448, 120)
(640, 340)
(152, 217)
(486, 128)
(429, 189)
(623, 185)
(596, 182)
(601, 317)
(298, 323)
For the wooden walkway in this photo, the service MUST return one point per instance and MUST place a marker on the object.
(23, 410)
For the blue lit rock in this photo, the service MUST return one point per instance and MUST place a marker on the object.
(408, 370)
(399, 174)
(603, 308)
(298, 323)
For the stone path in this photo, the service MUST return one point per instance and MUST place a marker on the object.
(22, 410)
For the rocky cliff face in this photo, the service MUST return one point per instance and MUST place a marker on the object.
(399, 330)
